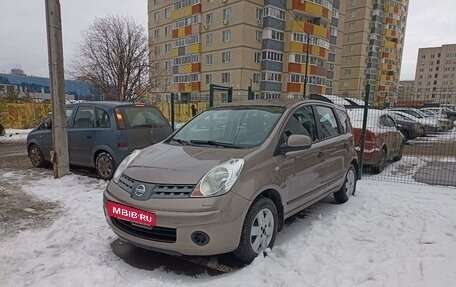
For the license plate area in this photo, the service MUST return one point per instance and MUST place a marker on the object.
(142, 218)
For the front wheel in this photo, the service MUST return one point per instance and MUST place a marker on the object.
(104, 163)
(259, 230)
(348, 188)
(36, 156)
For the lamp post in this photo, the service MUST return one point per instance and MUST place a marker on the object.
(307, 65)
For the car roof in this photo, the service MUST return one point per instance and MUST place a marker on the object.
(105, 104)
(285, 103)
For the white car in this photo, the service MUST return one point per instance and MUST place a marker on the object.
(431, 125)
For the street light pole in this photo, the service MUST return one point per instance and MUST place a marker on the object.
(307, 65)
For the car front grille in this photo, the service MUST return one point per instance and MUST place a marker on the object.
(156, 233)
(157, 191)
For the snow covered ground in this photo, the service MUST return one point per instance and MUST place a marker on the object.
(14, 135)
(389, 234)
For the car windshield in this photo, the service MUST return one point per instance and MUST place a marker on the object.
(234, 127)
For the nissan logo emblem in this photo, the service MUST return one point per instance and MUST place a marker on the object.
(140, 189)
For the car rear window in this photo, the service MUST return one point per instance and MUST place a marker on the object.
(143, 116)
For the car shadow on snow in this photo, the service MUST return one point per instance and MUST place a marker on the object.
(212, 265)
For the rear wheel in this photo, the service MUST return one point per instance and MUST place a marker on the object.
(36, 156)
(399, 156)
(259, 230)
(382, 161)
(105, 165)
(348, 188)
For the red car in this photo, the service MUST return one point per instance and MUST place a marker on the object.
(384, 142)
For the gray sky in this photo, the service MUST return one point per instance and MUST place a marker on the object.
(23, 29)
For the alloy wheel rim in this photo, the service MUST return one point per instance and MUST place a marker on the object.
(104, 166)
(35, 155)
(350, 183)
(262, 230)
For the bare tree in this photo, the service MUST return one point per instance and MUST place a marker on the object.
(114, 57)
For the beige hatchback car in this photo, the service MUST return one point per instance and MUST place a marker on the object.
(228, 179)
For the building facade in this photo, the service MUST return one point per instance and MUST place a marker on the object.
(435, 76)
(260, 44)
(372, 48)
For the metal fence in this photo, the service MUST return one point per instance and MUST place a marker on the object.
(409, 138)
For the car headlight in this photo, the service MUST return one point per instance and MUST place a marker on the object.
(220, 179)
(124, 164)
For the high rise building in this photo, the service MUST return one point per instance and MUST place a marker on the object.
(435, 77)
(372, 48)
(238, 43)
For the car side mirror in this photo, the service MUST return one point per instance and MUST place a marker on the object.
(296, 143)
(48, 125)
(399, 126)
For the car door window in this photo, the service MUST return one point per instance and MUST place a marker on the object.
(328, 122)
(102, 118)
(385, 121)
(68, 113)
(302, 123)
(84, 118)
(343, 119)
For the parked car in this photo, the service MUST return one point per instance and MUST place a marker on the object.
(442, 112)
(101, 134)
(409, 128)
(383, 143)
(228, 185)
(431, 124)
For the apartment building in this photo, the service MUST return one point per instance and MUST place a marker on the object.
(246, 43)
(372, 48)
(435, 77)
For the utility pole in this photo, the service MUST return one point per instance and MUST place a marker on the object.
(59, 153)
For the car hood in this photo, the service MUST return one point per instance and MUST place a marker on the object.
(170, 164)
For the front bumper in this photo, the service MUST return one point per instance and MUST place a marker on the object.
(371, 155)
(221, 218)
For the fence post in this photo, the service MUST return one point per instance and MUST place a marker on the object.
(172, 111)
(211, 95)
(363, 132)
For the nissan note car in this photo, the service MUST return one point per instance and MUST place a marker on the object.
(227, 180)
(101, 134)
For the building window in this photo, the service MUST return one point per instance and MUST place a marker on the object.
(256, 78)
(347, 72)
(227, 13)
(209, 59)
(274, 12)
(257, 57)
(209, 79)
(354, 2)
(258, 35)
(156, 33)
(209, 18)
(167, 30)
(168, 48)
(348, 61)
(209, 39)
(226, 36)
(156, 16)
(155, 2)
(353, 14)
(271, 76)
(226, 78)
(259, 14)
(226, 57)
(273, 56)
(350, 38)
(168, 64)
(351, 26)
(167, 13)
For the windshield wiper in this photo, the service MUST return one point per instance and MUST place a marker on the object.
(215, 143)
(180, 141)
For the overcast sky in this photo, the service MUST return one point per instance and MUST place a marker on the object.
(23, 29)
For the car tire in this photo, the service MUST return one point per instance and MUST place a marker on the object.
(453, 118)
(36, 156)
(255, 234)
(105, 165)
(381, 162)
(399, 156)
(349, 186)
